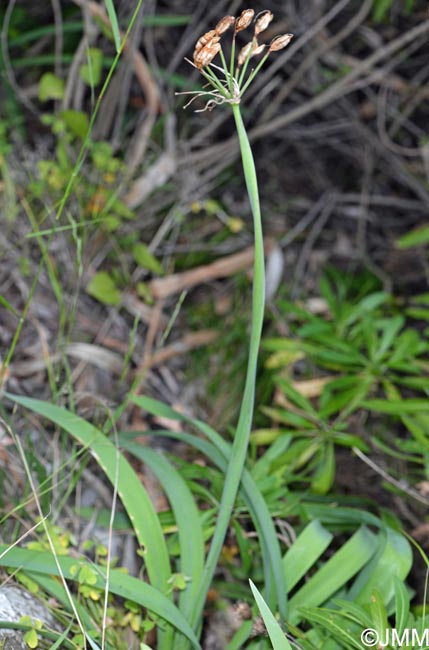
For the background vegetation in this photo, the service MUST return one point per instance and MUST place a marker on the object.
(126, 250)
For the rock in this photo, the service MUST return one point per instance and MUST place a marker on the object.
(15, 602)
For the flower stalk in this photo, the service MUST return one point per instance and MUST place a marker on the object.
(241, 438)
(230, 89)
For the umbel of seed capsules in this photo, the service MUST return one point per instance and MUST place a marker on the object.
(208, 45)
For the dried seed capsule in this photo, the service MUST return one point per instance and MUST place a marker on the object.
(249, 50)
(204, 39)
(224, 24)
(244, 20)
(263, 19)
(206, 54)
(279, 42)
(244, 53)
(258, 50)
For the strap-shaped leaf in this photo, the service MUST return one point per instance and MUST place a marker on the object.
(185, 512)
(134, 496)
(304, 552)
(219, 452)
(277, 636)
(121, 584)
(337, 571)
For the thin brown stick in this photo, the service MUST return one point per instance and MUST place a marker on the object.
(164, 287)
(401, 485)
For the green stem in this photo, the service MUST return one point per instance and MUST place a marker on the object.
(253, 74)
(232, 60)
(213, 79)
(227, 75)
(241, 439)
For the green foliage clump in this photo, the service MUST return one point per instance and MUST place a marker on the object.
(348, 377)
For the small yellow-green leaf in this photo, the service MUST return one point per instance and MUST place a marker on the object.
(235, 224)
(146, 259)
(283, 359)
(101, 550)
(87, 576)
(178, 581)
(28, 583)
(76, 122)
(103, 288)
(31, 638)
(50, 87)
(212, 207)
(90, 592)
(91, 71)
(144, 292)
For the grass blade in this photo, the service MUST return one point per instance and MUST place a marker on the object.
(402, 605)
(393, 558)
(113, 23)
(8, 306)
(275, 632)
(121, 584)
(133, 495)
(186, 514)
(337, 571)
(219, 451)
(304, 552)
(398, 407)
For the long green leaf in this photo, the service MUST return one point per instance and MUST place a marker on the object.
(335, 625)
(393, 558)
(402, 604)
(113, 23)
(59, 639)
(397, 407)
(120, 583)
(304, 552)
(130, 489)
(275, 632)
(270, 550)
(271, 554)
(8, 306)
(240, 444)
(62, 639)
(186, 514)
(337, 571)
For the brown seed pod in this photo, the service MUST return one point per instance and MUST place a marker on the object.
(249, 50)
(244, 20)
(204, 39)
(258, 50)
(206, 54)
(244, 53)
(224, 24)
(263, 19)
(279, 42)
